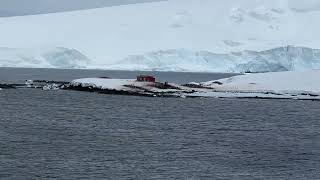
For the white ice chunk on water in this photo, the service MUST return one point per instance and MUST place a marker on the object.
(29, 83)
(50, 87)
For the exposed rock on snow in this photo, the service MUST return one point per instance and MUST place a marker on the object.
(277, 85)
(42, 84)
(127, 87)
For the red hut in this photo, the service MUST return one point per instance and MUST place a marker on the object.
(145, 78)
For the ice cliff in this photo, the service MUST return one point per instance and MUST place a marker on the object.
(43, 58)
(287, 58)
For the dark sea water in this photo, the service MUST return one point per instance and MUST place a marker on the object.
(14, 75)
(79, 135)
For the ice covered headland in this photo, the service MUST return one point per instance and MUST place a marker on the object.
(300, 85)
(278, 85)
(128, 87)
(283, 85)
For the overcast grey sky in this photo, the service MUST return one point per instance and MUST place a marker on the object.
(25, 7)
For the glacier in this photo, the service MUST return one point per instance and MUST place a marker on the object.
(289, 58)
(192, 35)
(108, 34)
(58, 57)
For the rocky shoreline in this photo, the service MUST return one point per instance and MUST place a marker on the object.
(258, 86)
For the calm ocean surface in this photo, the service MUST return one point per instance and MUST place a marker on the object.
(79, 135)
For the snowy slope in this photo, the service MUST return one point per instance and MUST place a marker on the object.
(304, 81)
(277, 85)
(109, 35)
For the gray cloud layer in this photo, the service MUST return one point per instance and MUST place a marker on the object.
(27, 7)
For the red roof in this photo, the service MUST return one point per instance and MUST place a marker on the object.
(146, 78)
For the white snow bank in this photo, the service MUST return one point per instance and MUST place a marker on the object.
(288, 58)
(278, 82)
(43, 58)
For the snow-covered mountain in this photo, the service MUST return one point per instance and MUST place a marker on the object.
(207, 27)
